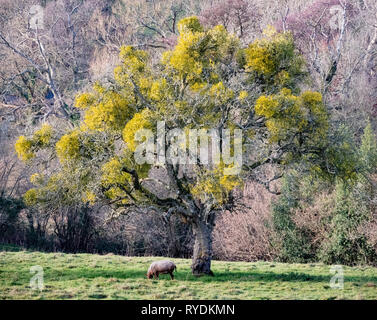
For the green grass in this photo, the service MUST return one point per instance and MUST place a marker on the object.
(90, 276)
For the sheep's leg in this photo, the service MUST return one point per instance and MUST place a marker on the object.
(171, 275)
(157, 274)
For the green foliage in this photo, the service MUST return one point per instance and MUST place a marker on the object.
(23, 148)
(139, 121)
(341, 156)
(83, 146)
(293, 243)
(288, 116)
(117, 182)
(189, 24)
(344, 241)
(9, 216)
(26, 147)
(198, 51)
(347, 244)
(213, 185)
(105, 109)
(68, 147)
(274, 62)
(368, 150)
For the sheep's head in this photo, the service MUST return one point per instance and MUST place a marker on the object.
(149, 275)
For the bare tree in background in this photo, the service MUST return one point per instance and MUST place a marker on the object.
(338, 38)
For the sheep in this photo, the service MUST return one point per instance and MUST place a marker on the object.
(163, 266)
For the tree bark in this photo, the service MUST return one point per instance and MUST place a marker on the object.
(201, 260)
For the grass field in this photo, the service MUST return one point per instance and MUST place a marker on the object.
(90, 276)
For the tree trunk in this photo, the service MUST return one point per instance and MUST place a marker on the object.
(201, 260)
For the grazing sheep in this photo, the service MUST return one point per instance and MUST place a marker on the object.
(163, 266)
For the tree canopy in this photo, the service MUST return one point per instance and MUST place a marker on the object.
(208, 83)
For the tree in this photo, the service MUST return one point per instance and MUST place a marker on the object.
(338, 38)
(238, 16)
(354, 208)
(328, 221)
(323, 24)
(205, 89)
(47, 61)
(292, 241)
